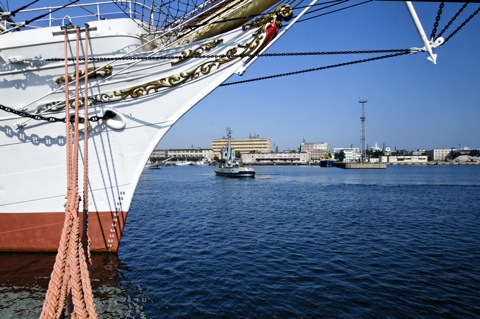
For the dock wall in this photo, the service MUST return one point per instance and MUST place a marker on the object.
(360, 165)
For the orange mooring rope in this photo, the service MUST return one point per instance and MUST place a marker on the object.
(85, 239)
(70, 279)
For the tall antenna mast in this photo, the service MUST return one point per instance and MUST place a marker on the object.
(363, 147)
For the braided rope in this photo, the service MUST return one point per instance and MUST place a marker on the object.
(84, 244)
(85, 239)
(70, 279)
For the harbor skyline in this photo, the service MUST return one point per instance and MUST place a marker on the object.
(369, 147)
(412, 103)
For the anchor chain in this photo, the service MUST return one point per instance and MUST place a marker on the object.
(402, 52)
(52, 119)
(463, 24)
(233, 56)
(437, 20)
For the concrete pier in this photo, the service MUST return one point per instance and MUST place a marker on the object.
(360, 165)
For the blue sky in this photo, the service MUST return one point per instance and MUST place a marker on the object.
(412, 103)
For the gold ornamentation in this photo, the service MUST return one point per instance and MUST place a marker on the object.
(283, 12)
(171, 81)
(93, 72)
(53, 107)
(198, 51)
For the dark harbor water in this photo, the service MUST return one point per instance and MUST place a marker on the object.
(295, 242)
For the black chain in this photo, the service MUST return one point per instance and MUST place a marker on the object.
(437, 20)
(52, 119)
(453, 19)
(107, 115)
(231, 56)
(463, 24)
(319, 68)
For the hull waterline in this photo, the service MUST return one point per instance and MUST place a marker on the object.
(40, 232)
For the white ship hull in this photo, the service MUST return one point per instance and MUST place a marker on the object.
(147, 97)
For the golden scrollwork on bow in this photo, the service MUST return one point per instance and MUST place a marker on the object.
(93, 72)
(198, 51)
(168, 82)
(283, 12)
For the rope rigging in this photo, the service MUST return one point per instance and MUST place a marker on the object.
(167, 15)
(333, 11)
(18, 26)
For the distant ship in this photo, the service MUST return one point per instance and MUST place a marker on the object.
(183, 163)
(229, 165)
(326, 163)
(153, 166)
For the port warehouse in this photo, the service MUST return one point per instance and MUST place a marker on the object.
(257, 150)
(270, 158)
(252, 150)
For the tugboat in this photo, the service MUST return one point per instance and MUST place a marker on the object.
(228, 165)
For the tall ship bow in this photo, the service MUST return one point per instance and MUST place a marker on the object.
(136, 70)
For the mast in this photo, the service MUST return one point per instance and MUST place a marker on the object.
(229, 149)
(363, 148)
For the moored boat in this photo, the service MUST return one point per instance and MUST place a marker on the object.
(229, 165)
(326, 163)
(183, 163)
(153, 166)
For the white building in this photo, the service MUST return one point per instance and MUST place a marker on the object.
(318, 151)
(276, 158)
(184, 154)
(351, 154)
(438, 154)
(407, 159)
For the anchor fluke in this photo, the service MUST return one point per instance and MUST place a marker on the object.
(428, 45)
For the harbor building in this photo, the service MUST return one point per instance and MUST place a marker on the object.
(252, 144)
(285, 158)
(438, 154)
(407, 159)
(317, 151)
(191, 154)
(352, 154)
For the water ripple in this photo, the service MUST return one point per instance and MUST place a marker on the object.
(296, 242)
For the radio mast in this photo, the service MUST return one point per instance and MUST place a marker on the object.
(363, 147)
